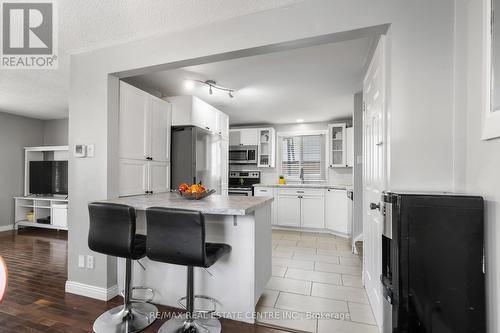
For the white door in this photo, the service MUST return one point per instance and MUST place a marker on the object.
(267, 192)
(134, 132)
(160, 119)
(159, 175)
(336, 211)
(289, 210)
(133, 175)
(234, 137)
(312, 211)
(374, 175)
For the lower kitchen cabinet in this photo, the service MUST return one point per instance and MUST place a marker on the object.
(312, 210)
(261, 191)
(289, 212)
(337, 211)
(140, 176)
(159, 176)
(309, 208)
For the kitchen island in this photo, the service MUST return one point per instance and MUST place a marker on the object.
(238, 279)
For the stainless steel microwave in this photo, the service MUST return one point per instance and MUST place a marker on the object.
(243, 155)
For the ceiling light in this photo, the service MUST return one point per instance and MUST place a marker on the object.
(211, 86)
(189, 84)
(300, 120)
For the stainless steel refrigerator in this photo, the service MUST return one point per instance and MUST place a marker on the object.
(196, 157)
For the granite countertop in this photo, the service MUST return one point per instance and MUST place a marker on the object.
(309, 185)
(214, 204)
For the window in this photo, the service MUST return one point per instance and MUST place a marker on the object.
(306, 152)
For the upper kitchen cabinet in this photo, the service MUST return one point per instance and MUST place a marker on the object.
(340, 145)
(192, 111)
(144, 125)
(244, 137)
(223, 120)
(266, 149)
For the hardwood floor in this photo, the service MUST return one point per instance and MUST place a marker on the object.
(35, 299)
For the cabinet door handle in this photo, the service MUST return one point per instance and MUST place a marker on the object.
(374, 206)
(300, 191)
(207, 128)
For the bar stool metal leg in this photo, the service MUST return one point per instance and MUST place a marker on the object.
(188, 322)
(127, 318)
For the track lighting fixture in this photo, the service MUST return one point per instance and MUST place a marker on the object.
(211, 85)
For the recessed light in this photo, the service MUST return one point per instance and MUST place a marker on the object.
(189, 84)
(300, 120)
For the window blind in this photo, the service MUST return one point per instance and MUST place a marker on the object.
(306, 152)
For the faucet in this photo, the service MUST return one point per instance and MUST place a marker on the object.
(302, 175)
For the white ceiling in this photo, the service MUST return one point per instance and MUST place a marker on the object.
(314, 83)
(91, 24)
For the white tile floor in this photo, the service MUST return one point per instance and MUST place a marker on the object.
(315, 275)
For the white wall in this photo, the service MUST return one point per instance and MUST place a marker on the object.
(336, 176)
(15, 133)
(357, 209)
(481, 159)
(420, 99)
(55, 132)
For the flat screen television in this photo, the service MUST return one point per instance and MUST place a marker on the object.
(49, 177)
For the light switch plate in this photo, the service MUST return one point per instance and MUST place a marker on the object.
(90, 150)
(81, 261)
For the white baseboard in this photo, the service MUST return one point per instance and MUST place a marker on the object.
(7, 227)
(102, 294)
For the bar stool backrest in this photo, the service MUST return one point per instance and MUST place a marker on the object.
(176, 236)
(112, 229)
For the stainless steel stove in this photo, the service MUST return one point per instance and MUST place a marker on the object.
(241, 182)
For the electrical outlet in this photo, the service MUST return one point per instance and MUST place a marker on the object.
(81, 261)
(90, 262)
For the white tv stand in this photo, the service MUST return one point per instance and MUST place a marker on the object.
(41, 206)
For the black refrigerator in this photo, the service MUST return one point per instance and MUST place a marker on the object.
(433, 272)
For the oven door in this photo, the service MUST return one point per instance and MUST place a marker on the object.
(240, 192)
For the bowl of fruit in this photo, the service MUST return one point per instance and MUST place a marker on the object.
(193, 192)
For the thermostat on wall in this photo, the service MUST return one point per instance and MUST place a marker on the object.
(80, 151)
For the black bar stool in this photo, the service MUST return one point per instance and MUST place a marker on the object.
(112, 232)
(177, 237)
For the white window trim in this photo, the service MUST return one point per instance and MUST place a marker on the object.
(490, 120)
(281, 135)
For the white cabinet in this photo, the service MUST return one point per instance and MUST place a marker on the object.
(133, 122)
(192, 111)
(336, 211)
(223, 120)
(144, 136)
(158, 176)
(301, 208)
(337, 145)
(261, 191)
(312, 211)
(133, 177)
(289, 213)
(244, 137)
(144, 125)
(266, 148)
(160, 120)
